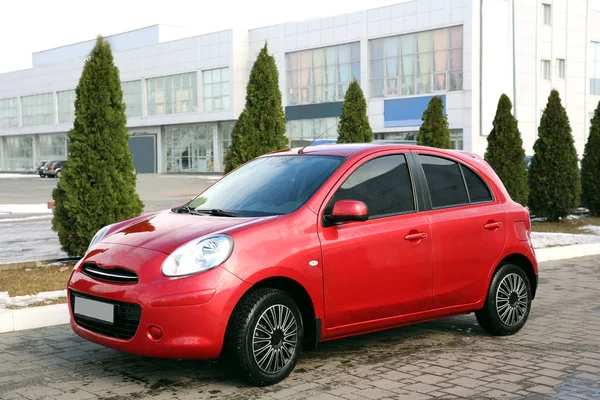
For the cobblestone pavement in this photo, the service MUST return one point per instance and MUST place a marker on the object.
(556, 356)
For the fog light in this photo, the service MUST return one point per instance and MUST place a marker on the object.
(155, 333)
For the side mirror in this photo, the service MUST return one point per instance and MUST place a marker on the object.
(348, 210)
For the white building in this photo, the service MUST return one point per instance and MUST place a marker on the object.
(184, 95)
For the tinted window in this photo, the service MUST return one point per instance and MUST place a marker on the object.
(383, 184)
(446, 185)
(272, 185)
(478, 190)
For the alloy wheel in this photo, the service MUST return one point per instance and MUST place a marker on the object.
(511, 299)
(275, 338)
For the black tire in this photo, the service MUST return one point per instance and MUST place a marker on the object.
(506, 310)
(243, 326)
(42, 176)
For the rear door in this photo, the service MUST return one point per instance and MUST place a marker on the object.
(468, 228)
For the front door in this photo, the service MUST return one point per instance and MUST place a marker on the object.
(381, 267)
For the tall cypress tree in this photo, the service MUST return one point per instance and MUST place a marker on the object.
(505, 152)
(434, 131)
(554, 182)
(354, 124)
(261, 127)
(590, 167)
(97, 185)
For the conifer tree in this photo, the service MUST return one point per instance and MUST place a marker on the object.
(261, 127)
(354, 124)
(97, 185)
(554, 184)
(505, 152)
(434, 131)
(590, 167)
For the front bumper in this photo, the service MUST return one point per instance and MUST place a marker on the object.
(191, 312)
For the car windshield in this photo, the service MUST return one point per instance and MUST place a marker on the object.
(273, 185)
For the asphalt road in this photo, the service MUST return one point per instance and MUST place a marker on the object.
(555, 356)
(27, 237)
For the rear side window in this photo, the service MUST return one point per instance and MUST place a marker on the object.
(478, 190)
(445, 181)
(383, 184)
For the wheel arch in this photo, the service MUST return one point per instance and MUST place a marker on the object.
(525, 264)
(312, 324)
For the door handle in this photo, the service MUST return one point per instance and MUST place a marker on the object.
(416, 236)
(490, 226)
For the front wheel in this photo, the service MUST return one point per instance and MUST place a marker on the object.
(508, 302)
(265, 336)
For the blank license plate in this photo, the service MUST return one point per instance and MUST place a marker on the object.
(94, 309)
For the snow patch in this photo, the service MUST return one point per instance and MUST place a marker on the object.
(24, 209)
(17, 176)
(548, 239)
(25, 218)
(24, 301)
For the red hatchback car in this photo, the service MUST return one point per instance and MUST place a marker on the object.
(299, 247)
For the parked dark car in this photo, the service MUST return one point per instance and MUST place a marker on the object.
(52, 169)
(39, 168)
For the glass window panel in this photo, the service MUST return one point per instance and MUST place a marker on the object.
(377, 69)
(391, 47)
(207, 77)
(440, 60)
(456, 37)
(445, 182)
(391, 65)
(408, 85)
(331, 74)
(225, 88)
(439, 82)
(319, 76)
(305, 59)
(345, 73)
(355, 49)
(440, 39)
(377, 48)
(344, 54)
(456, 80)
(377, 88)
(330, 56)
(424, 63)
(318, 58)
(424, 42)
(423, 83)
(319, 94)
(408, 65)
(305, 77)
(356, 71)
(456, 59)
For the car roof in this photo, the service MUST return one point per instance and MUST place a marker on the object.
(351, 149)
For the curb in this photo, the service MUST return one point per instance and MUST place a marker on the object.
(37, 263)
(58, 314)
(34, 317)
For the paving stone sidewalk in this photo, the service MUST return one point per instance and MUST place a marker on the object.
(556, 356)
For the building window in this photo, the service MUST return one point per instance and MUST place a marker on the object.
(547, 14)
(19, 153)
(38, 109)
(172, 94)
(456, 139)
(419, 63)
(216, 89)
(225, 129)
(53, 147)
(188, 148)
(546, 70)
(595, 69)
(321, 75)
(132, 96)
(303, 131)
(9, 113)
(560, 68)
(66, 106)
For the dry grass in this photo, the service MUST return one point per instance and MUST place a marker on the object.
(566, 226)
(24, 281)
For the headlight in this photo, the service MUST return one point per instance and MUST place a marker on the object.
(98, 236)
(199, 255)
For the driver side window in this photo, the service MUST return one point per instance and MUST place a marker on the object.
(383, 184)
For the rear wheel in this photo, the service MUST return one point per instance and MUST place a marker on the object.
(508, 302)
(58, 174)
(265, 335)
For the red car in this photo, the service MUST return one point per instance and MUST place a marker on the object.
(299, 247)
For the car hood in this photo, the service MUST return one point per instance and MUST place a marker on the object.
(166, 231)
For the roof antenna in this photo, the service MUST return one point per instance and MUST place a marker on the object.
(324, 132)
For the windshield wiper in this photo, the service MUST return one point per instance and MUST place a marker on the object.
(185, 209)
(218, 213)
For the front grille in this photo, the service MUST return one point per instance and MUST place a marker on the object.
(115, 275)
(126, 321)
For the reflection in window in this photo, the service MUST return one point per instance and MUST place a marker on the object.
(66, 106)
(52, 147)
(132, 95)
(418, 63)
(188, 148)
(383, 184)
(216, 89)
(38, 109)
(9, 114)
(321, 75)
(478, 190)
(445, 181)
(225, 129)
(172, 94)
(19, 153)
(301, 132)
